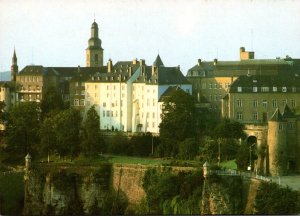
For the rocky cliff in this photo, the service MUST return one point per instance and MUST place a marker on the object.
(111, 189)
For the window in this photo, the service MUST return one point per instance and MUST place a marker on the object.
(264, 89)
(104, 104)
(239, 89)
(76, 91)
(293, 103)
(112, 105)
(216, 97)
(95, 86)
(76, 102)
(153, 102)
(210, 97)
(284, 102)
(76, 84)
(107, 113)
(153, 115)
(255, 103)
(239, 103)
(216, 85)
(239, 116)
(210, 85)
(112, 113)
(274, 103)
(255, 116)
(116, 114)
(123, 95)
(103, 113)
(82, 92)
(265, 103)
(220, 86)
(254, 88)
(82, 84)
(153, 124)
(274, 89)
(284, 89)
(107, 87)
(81, 102)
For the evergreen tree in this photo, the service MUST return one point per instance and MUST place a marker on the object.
(92, 142)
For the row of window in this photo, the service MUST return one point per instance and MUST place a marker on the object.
(216, 85)
(110, 113)
(31, 88)
(268, 89)
(29, 78)
(113, 104)
(264, 103)
(215, 97)
(79, 102)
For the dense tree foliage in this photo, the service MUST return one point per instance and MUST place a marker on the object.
(169, 193)
(178, 122)
(92, 142)
(51, 102)
(272, 199)
(66, 129)
(22, 129)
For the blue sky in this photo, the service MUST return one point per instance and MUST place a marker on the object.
(55, 32)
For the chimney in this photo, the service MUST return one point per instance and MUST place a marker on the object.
(134, 61)
(215, 61)
(109, 66)
(129, 71)
(199, 62)
(142, 62)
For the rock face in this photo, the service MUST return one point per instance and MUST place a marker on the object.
(110, 189)
(222, 196)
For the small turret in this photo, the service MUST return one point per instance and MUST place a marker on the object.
(206, 169)
(27, 162)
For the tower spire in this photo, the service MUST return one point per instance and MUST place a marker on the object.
(14, 67)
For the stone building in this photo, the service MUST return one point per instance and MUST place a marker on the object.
(127, 97)
(257, 102)
(211, 79)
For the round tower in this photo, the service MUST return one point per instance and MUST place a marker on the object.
(14, 67)
(94, 52)
(277, 144)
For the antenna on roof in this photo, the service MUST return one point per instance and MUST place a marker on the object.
(251, 39)
(32, 57)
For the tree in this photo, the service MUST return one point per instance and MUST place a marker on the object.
(142, 144)
(188, 149)
(23, 124)
(47, 136)
(178, 121)
(66, 129)
(52, 101)
(92, 142)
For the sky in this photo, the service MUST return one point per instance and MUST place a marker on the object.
(56, 32)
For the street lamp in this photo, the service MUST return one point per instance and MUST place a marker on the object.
(250, 166)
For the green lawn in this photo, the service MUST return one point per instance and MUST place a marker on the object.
(122, 160)
(229, 164)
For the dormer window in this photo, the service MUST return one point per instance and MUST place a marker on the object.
(265, 89)
(284, 89)
(254, 88)
(239, 89)
(274, 89)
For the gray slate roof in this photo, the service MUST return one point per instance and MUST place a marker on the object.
(290, 83)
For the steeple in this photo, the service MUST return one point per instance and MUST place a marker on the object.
(14, 67)
(94, 52)
(158, 62)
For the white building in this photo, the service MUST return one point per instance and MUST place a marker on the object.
(127, 96)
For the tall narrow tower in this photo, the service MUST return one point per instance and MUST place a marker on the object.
(94, 52)
(14, 67)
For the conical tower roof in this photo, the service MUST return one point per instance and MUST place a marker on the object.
(277, 116)
(158, 62)
(287, 112)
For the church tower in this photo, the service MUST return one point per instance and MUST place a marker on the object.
(94, 52)
(14, 67)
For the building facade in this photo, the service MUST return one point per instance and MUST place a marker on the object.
(211, 80)
(127, 97)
